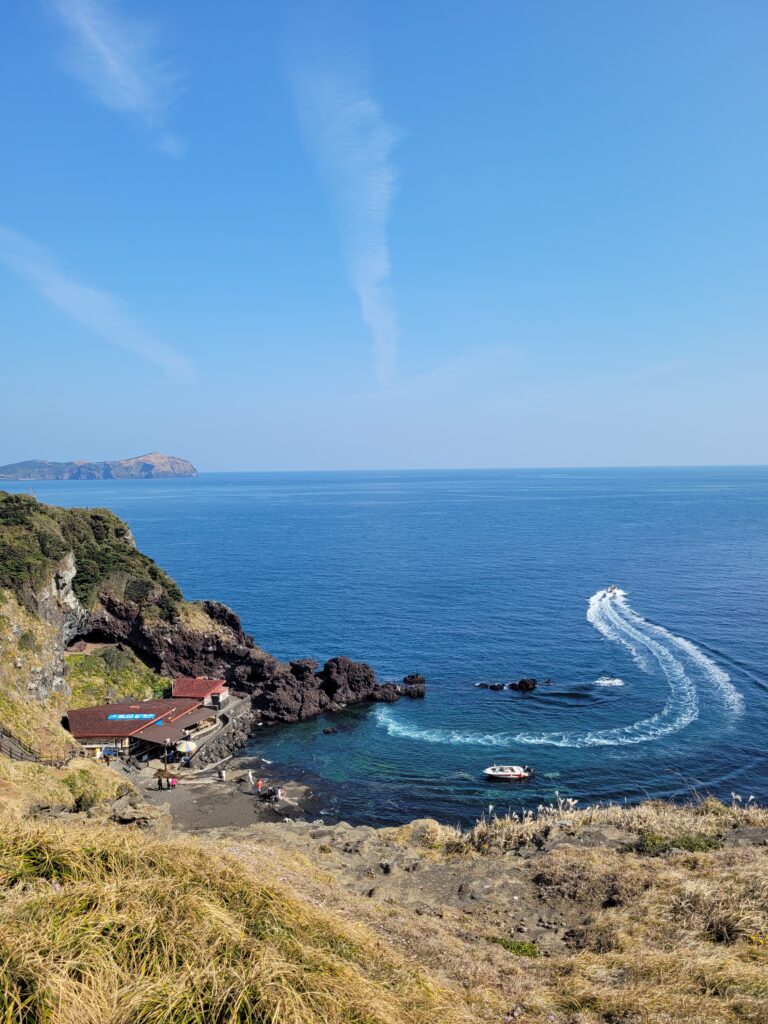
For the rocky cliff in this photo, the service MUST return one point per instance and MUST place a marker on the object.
(207, 639)
(154, 464)
(79, 571)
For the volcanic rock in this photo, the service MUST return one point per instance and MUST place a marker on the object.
(523, 685)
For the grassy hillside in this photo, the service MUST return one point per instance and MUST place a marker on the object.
(672, 905)
(109, 674)
(98, 924)
(83, 784)
(35, 537)
(655, 914)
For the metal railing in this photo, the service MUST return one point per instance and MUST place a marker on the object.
(18, 750)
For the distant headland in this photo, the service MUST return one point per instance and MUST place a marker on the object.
(142, 466)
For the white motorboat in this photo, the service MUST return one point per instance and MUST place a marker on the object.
(508, 771)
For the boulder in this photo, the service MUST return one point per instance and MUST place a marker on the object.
(388, 693)
(523, 685)
(414, 685)
(131, 810)
(346, 681)
(303, 669)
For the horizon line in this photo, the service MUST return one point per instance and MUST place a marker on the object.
(418, 469)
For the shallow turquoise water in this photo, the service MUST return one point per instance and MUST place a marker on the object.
(487, 576)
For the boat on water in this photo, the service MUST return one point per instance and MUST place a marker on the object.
(508, 772)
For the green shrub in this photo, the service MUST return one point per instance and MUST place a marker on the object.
(697, 843)
(516, 946)
(27, 641)
(109, 674)
(651, 844)
(90, 788)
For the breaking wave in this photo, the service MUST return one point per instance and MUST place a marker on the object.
(652, 647)
(608, 681)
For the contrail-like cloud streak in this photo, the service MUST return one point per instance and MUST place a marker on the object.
(354, 142)
(101, 313)
(115, 59)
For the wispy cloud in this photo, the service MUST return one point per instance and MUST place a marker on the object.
(101, 313)
(115, 57)
(353, 141)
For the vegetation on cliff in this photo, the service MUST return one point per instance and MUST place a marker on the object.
(34, 538)
(108, 674)
(623, 936)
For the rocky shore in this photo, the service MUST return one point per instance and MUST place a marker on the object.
(211, 642)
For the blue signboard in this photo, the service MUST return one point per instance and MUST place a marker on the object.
(130, 717)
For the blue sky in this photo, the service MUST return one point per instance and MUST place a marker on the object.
(384, 234)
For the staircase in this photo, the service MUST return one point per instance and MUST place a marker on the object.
(15, 749)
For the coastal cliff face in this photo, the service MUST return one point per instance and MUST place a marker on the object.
(79, 571)
(154, 464)
(207, 639)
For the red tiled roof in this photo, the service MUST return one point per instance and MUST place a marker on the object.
(174, 731)
(94, 722)
(197, 686)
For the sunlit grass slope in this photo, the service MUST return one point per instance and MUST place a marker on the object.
(108, 675)
(99, 924)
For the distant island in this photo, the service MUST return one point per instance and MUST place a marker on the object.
(142, 467)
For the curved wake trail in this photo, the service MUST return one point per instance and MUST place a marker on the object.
(652, 647)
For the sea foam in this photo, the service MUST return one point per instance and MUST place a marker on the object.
(652, 647)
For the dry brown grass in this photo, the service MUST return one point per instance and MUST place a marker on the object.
(677, 938)
(114, 925)
(83, 784)
(102, 925)
(665, 940)
(499, 834)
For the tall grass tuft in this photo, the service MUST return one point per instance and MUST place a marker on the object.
(694, 826)
(102, 925)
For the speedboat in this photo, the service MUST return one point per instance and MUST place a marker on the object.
(508, 771)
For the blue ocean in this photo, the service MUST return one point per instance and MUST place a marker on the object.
(658, 690)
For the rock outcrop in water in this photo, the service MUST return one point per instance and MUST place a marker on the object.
(526, 685)
(523, 685)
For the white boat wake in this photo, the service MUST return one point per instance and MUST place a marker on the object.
(685, 667)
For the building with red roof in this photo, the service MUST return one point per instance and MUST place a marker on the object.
(212, 692)
(137, 727)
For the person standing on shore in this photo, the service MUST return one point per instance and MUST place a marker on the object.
(250, 777)
(260, 785)
(174, 780)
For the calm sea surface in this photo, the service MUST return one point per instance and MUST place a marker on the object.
(475, 577)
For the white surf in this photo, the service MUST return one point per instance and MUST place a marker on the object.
(685, 667)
